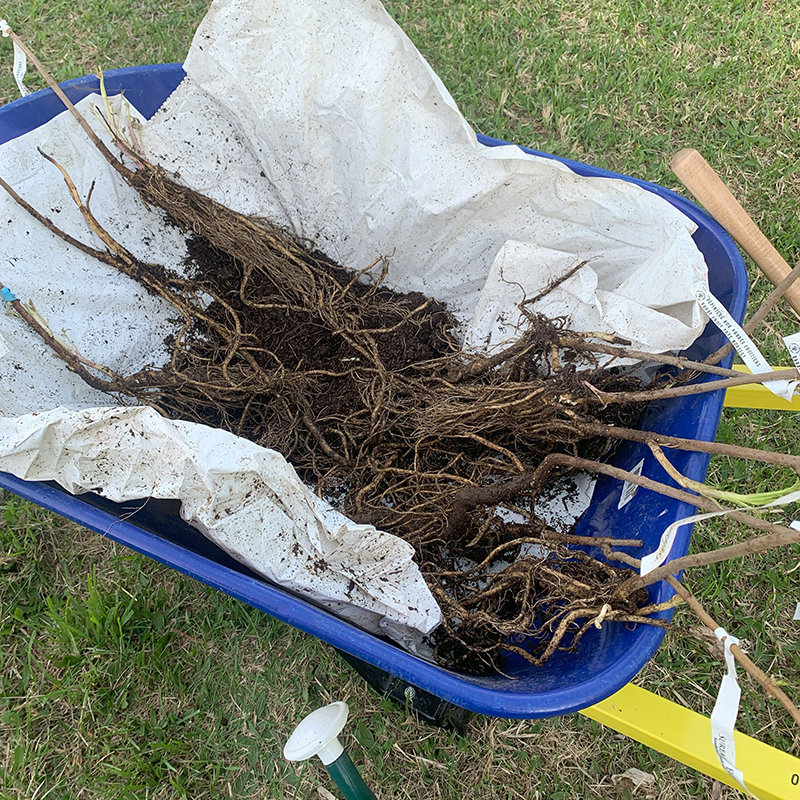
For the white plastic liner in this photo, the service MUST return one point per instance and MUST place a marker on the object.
(320, 115)
(246, 498)
(111, 319)
(323, 116)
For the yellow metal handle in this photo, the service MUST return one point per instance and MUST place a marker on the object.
(754, 395)
(685, 736)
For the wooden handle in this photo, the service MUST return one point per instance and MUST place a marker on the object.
(699, 178)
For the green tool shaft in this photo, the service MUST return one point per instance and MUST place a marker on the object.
(348, 779)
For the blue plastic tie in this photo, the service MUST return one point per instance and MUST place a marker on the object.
(7, 294)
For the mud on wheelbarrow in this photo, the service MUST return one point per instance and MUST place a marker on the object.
(607, 659)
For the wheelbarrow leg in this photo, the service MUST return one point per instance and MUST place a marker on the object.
(422, 704)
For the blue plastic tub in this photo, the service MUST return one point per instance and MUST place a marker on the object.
(607, 658)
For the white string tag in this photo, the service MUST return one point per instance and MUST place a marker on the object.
(659, 555)
(726, 709)
(744, 345)
(20, 61)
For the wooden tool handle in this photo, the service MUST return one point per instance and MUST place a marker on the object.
(700, 179)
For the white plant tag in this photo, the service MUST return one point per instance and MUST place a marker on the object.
(656, 558)
(744, 345)
(629, 489)
(793, 346)
(20, 61)
(726, 709)
(659, 555)
(796, 612)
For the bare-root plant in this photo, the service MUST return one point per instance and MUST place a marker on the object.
(369, 394)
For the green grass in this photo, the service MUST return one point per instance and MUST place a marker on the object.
(120, 678)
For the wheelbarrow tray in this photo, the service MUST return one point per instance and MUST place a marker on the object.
(606, 659)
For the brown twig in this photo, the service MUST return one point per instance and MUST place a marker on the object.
(73, 360)
(758, 674)
(694, 445)
(695, 388)
(555, 283)
(49, 80)
(569, 538)
(667, 466)
(641, 355)
(83, 207)
(100, 255)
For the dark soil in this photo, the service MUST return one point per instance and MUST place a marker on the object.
(333, 380)
(299, 341)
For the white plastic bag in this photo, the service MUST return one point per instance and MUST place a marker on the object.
(323, 116)
(245, 498)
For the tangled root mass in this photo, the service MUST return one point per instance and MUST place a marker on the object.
(369, 395)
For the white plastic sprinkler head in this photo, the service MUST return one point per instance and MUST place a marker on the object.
(316, 735)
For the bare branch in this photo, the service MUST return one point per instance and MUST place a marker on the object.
(760, 676)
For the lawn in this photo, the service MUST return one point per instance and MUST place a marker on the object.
(120, 678)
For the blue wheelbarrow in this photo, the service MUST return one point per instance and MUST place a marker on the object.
(607, 658)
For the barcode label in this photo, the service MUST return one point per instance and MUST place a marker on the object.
(20, 60)
(744, 345)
